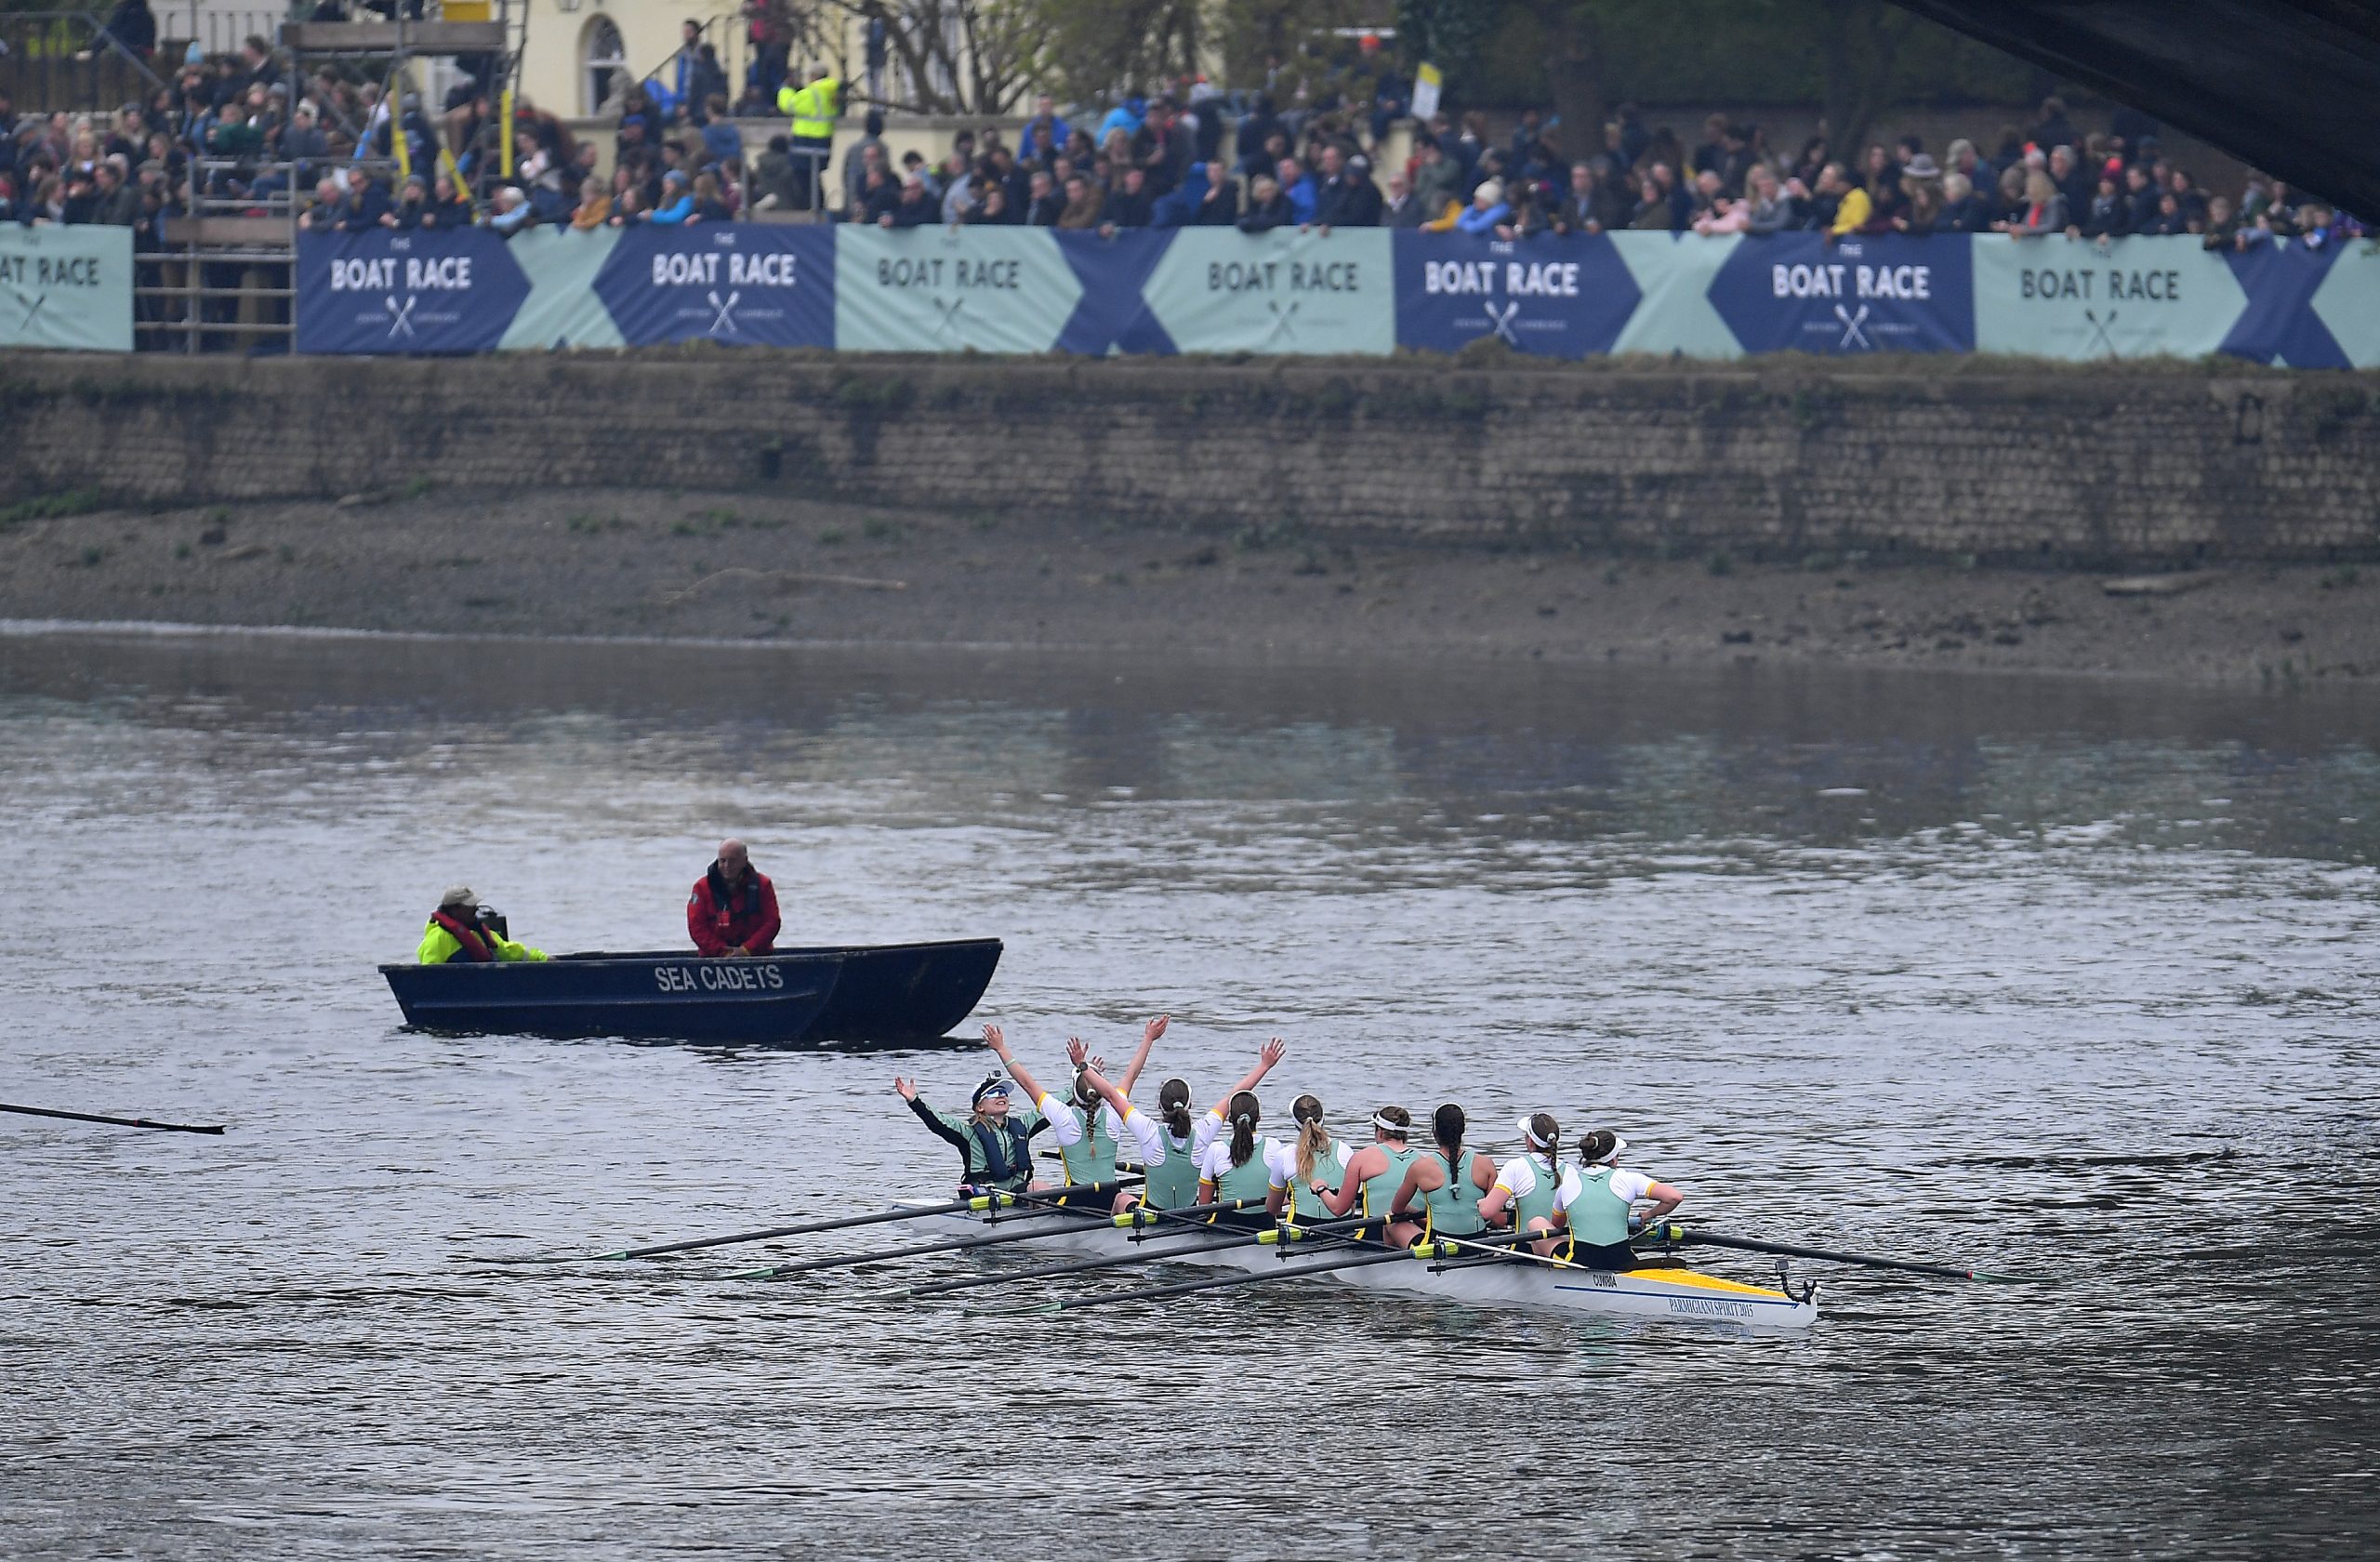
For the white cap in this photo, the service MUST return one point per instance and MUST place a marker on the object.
(460, 894)
(1528, 1136)
(1619, 1147)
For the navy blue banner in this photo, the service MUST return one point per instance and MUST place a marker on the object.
(1113, 314)
(1800, 293)
(749, 284)
(391, 292)
(2281, 322)
(1562, 297)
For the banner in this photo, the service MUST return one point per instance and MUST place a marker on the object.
(747, 284)
(2080, 299)
(419, 292)
(1563, 297)
(562, 309)
(1218, 290)
(1367, 291)
(1889, 293)
(950, 289)
(66, 287)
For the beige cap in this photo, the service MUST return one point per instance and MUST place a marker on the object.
(460, 895)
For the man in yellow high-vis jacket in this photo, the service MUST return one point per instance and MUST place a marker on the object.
(813, 110)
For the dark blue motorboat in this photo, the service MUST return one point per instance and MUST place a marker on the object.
(881, 994)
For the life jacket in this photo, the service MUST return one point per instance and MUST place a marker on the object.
(1006, 1151)
(726, 907)
(477, 948)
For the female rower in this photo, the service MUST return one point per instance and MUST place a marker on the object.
(1172, 1183)
(1375, 1171)
(1523, 1196)
(1101, 1115)
(1242, 1167)
(1443, 1188)
(995, 1139)
(1598, 1203)
(1316, 1164)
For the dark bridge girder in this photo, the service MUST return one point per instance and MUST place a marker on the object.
(2290, 85)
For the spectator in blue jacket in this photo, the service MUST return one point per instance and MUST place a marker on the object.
(1126, 117)
(1298, 187)
(677, 201)
(1487, 209)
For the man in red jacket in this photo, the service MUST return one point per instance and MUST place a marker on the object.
(734, 908)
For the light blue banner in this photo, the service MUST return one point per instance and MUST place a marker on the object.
(950, 289)
(1218, 290)
(66, 287)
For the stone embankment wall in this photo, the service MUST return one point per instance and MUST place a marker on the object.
(1783, 458)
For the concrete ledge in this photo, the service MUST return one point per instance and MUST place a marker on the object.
(382, 37)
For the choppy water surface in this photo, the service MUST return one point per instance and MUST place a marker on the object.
(2078, 982)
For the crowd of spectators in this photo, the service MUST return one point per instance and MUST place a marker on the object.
(1157, 165)
(243, 132)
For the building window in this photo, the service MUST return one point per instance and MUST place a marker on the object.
(607, 58)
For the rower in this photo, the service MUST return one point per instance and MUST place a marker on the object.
(1244, 1167)
(1523, 1196)
(995, 1138)
(1317, 1164)
(1444, 1187)
(461, 929)
(1173, 1182)
(1375, 1171)
(1598, 1203)
(1114, 1114)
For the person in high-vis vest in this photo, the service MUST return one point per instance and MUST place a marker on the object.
(1598, 1203)
(462, 928)
(995, 1139)
(813, 110)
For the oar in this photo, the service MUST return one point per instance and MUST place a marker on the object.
(978, 1203)
(118, 1122)
(1681, 1235)
(1269, 1236)
(1087, 1217)
(1421, 1250)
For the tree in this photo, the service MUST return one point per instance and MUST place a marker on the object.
(944, 57)
(1103, 48)
(1859, 43)
(1574, 40)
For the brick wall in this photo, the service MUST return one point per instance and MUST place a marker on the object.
(1780, 459)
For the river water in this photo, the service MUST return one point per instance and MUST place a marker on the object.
(2058, 977)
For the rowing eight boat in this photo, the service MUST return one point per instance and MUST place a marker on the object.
(1484, 1278)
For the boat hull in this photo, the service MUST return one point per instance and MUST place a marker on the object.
(1670, 1293)
(886, 994)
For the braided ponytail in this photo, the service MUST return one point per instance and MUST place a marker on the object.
(1445, 1126)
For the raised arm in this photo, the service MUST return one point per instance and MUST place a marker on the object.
(1265, 1058)
(1063, 1127)
(1149, 1033)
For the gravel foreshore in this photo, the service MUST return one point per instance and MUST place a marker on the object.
(745, 567)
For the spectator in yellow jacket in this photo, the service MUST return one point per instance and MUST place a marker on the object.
(462, 927)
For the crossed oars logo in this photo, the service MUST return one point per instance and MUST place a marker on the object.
(1852, 327)
(401, 320)
(1500, 322)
